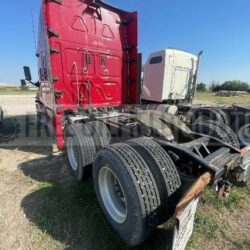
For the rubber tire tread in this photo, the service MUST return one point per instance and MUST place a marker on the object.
(144, 183)
(163, 160)
(144, 176)
(164, 171)
(230, 133)
(75, 131)
(239, 123)
(89, 144)
(100, 133)
(212, 130)
(213, 114)
(224, 116)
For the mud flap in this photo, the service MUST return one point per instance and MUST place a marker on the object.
(245, 167)
(184, 226)
(186, 210)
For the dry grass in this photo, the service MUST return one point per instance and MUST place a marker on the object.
(17, 91)
(209, 97)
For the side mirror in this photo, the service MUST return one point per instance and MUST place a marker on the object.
(23, 82)
(37, 84)
(27, 73)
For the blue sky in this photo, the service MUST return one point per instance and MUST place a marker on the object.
(219, 27)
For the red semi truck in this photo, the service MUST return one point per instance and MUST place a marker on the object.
(147, 166)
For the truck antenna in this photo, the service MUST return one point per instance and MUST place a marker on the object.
(33, 29)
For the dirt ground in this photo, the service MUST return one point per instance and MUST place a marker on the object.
(18, 104)
(42, 207)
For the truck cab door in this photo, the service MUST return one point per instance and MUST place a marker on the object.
(153, 77)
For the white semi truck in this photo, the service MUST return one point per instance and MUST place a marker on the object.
(169, 76)
(169, 83)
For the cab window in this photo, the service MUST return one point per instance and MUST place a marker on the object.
(155, 60)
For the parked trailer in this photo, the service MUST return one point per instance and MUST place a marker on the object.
(169, 83)
(147, 166)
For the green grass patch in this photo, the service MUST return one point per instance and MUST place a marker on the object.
(206, 226)
(234, 200)
(246, 189)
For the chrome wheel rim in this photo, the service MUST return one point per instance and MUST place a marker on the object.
(112, 195)
(72, 154)
(244, 134)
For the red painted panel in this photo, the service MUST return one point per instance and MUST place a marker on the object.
(94, 55)
(91, 46)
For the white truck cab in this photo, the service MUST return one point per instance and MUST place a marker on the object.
(169, 75)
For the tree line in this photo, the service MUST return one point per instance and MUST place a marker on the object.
(227, 86)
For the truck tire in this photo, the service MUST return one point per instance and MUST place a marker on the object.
(241, 127)
(80, 150)
(1, 117)
(126, 192)
(205, 114)
(164, 171)
(230, 133)
(217, 130)
(224, 116)
(100, 134)
(89, 144)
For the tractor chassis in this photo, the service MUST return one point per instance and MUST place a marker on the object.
(217, 160)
